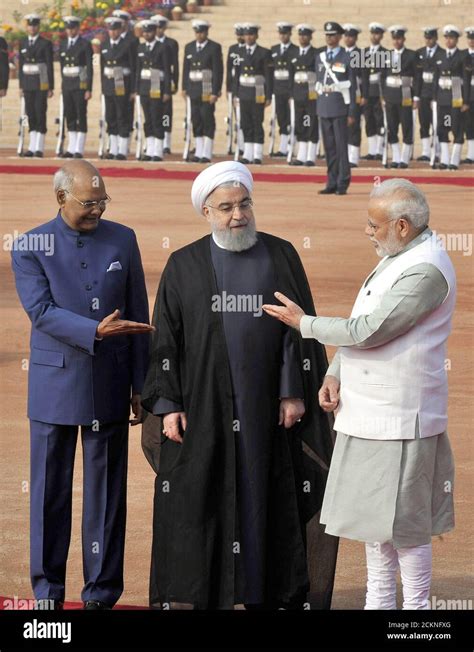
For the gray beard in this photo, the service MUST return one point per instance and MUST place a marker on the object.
(242, 240)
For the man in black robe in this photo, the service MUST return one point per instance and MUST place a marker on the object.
(244, 446)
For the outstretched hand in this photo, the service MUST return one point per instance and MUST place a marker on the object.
(290, 313)
(113, 325)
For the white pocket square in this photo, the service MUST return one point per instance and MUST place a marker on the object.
(115, 267)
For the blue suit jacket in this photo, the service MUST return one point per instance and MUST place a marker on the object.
(331, 105)
(73, 378)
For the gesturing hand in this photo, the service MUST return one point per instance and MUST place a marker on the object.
(291, 411)
(290, 313)
(137, 409)
(171, 424)
(329, 393)
(113, 325)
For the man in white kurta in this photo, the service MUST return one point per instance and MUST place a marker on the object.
(391, 478)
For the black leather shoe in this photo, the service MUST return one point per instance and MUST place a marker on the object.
(48, 604)
(327, 191)
(369, 157)
(279, 155)
(109, 156)
(296, 161)
(78, 155)
(310, 164)
(166, 150)
(68, 155)
(38, 154)
(204, 159)
(442, 166)
(195, 159)
(403, 166)
(394, 165)
(94, 605)
(453, 167)
(29, 154)
(257, 161)
(157, 159)
(467, 161)
(423, 158)
(378, 157)
(341, 192)
(353, 165)
(120, 157)
(243, 160)
(145, 157)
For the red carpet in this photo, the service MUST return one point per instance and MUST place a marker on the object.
(27, 603)
(278, 177)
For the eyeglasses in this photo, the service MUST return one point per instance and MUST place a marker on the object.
(375, 227)
(228, 209)
(101, 203)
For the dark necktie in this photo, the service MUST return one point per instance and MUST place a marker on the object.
(31, 42)
(249, 51)
(329, 57)
(449, 55)
(302, 50)
(148, 45)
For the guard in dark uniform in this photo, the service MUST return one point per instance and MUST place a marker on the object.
(469, 95)
(173, 57)
(397, 85)
(303, 68)
(128, 35)
(4, 67)
(282, 55)
(153, 84)
(203, 74)
(371, 86)
(117, 68)
(233, 56)
(36, 78)
(450, 96)
(335, 85)
(253, 88)
(426, 58)
(75, 58)
(351, 33)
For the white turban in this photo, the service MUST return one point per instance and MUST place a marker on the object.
(216, 175)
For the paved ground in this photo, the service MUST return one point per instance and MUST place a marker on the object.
(329, 235)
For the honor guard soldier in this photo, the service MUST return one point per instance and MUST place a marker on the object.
(172, 45)
(371, 87)
(153, 84)
(36, 80)
(351, 33)
(335, 85)
(75, 58)
(203, 74)
(282, 54)
(128, 35)
(303, 66)
(233, 56)
(253, 88)
(469, 95)
(449, 94)
(397, 88)
(117, 67)
(4, 67)
(426, 58)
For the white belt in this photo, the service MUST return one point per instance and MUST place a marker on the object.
(146, 73)
(282, 73)
(428, 77)
(374, 78)
(195, 75)
(71, 71)
(31, 68)
(247, 80)
(109, 71)
(445, 83)
(393, 81)
(301, 77)
(472, 81)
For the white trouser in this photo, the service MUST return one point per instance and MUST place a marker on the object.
(406, 153)
(302, 150)
(426, 147)
(396, 153)
(39, 142)
(470, 150)
(208, 145)
(258, 151)
(80, 142)
(167, 140)
(444, 159)
(113, 144)
(380, 144)
(150, 145)
(198, 146)
(372, 140)
(158, 146)
(123, 145)
(456, 154)
(248, 151)
(383, 561)
(33, 139)
(354, 154)
(71, 146)
(284, 138)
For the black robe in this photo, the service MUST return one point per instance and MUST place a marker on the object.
(195, 511)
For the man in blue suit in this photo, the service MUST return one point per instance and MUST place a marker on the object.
(87, 366)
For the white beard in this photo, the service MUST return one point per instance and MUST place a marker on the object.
(241, 240)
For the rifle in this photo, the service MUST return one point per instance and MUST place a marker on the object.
(230, 123)
(22, 124)
(434, 127)
(60, 122)
(292, 130)
(102, 127)
(187, 129)
(138, 127)
(272, 127)
(237, 129)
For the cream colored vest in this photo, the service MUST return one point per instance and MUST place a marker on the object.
(385, 389)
